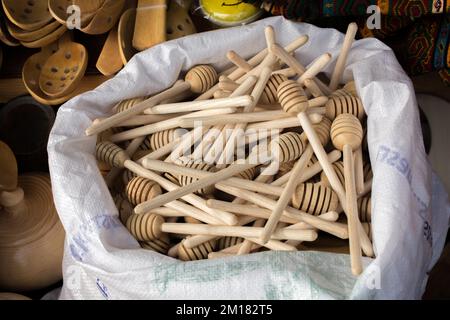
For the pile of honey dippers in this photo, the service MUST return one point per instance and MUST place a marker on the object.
(265, 157)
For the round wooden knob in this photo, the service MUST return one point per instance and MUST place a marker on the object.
(269, 95)
(186, 180)
(323, 131)
(31, 238)
(145, 227)
(344, 104)
(314, 198)
(287, 147)
(161, 138)
(111, 154)
(158, 245)
(292, 97)
(124, 207)
(127, 104)
(226, 242)
(365, 209)
(201, 78)
(346, 130)
(338, 167)
(197, 253)
(140, 190)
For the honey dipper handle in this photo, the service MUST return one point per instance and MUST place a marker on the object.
(352, 211)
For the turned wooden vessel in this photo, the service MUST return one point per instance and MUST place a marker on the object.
(314, 198)
(31, 235)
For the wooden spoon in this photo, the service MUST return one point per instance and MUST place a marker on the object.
(29, 36)
(105, 18)
(109, 62)
(5, 37)
(179, 23)
(28, 15)
(46, 40)
(31, 235)
(63, 70)
(31, 72)
(58, 9)
(125, 35)
(150, 26)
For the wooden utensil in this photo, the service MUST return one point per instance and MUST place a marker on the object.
(31, 236)
(139, 190)
(31, 73)
(27, 15)
(198, 74)
(288, 147)
(342, 59)
(197, 253)
(105, 18)
(150, 27)
(344, 104)
(117, 157)
(59, 10)
(179, 23)
(149, 226)
(47, 39)
(314, 198)
(125, 32)
(63, 70)
(110, 62)
(347, 134)
(5, 37)
(30, 36)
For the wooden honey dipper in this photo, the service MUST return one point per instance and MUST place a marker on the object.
(289, 146)
(197, 253)
(347, 134)
(150, 226)
(184, 180)
(161, 138)
(117, 157)
(365, 208)
(344, 104)
(269, 95)
(158, 245)
(314, 198)
(293, 100)
(124, 208)
(140, 189)
(197, 78)
(226, 242)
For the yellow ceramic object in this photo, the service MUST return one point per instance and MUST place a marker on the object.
(229, 13)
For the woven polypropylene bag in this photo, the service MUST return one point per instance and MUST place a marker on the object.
(410, 208)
